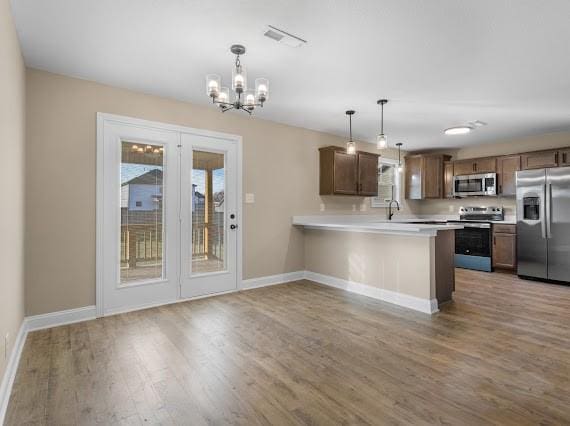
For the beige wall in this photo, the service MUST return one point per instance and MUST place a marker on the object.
(280, 167)
(12, 97)
(513, 146)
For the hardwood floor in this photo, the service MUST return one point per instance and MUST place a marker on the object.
(302, 353)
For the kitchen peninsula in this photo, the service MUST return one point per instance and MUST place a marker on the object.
(408, 263)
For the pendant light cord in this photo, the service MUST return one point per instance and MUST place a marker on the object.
(350, 126)
(382, 118)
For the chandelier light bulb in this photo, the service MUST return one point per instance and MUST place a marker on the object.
(213, 83)
(224, 95)
(239, 81)
(249, 99)
(351, 148)
(261, 89)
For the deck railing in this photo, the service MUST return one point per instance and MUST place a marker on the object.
(146, 242)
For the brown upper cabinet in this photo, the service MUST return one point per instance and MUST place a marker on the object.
(424, 180)
(475, 165)
(507, 166)
(347, 174)
(486, 165)
(463, 167)
(564, 157)
(448, 179)
(367, 174)
(424, 176)
(539, 160)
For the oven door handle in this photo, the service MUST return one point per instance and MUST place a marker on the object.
(476, 225)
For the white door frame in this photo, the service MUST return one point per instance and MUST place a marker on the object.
(102, 118)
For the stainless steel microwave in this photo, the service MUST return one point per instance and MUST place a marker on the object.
(471, 185)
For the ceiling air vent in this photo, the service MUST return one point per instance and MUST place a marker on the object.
(283, 37)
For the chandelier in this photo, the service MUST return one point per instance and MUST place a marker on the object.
(243, 99)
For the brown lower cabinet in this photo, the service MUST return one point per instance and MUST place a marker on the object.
(347, 174)
(505, 247)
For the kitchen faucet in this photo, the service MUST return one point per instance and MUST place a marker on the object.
(390, 214)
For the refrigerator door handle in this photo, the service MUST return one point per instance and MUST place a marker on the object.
(548, 214)
(543, 219)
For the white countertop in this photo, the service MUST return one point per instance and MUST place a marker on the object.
(373, 224)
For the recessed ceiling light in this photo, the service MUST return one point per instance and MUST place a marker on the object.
(459, 130)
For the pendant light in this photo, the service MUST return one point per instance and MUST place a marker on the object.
(381, 139)
(399, 145)
(350, 145)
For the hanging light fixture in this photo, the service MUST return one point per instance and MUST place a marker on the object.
(399, 145)
(381, 139)
(350, 145)
(244, 99)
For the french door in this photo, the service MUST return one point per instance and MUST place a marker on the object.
(209, 215)
(167, 214)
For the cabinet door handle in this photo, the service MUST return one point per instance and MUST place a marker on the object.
(556, 158)
(564, 158)
(494, 241)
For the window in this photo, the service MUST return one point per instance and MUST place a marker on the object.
(388, 182)
(141, 254)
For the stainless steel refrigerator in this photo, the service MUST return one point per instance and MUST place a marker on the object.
(543, 223)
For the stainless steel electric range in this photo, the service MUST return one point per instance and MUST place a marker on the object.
(473, 247)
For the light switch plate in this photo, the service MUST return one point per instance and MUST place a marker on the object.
(249, 198)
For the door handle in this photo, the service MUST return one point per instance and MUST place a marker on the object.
(548, 212)
(232, 226)
(543, 221)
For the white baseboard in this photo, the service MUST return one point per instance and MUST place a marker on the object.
(11, 369)
(54, 319)
(272, 280)
(417, 304)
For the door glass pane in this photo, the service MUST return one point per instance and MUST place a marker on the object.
(141, 251)
(208, 212)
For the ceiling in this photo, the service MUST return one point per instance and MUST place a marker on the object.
(440, 63)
